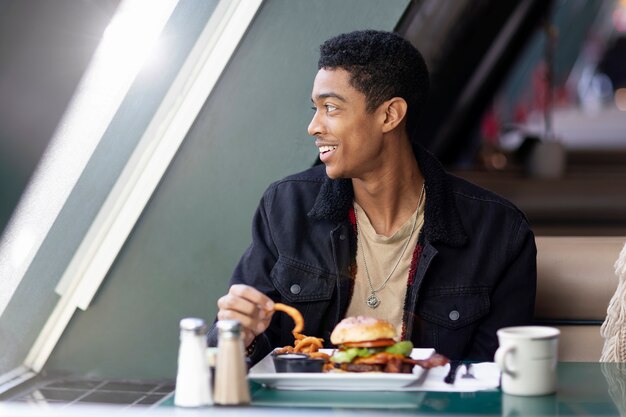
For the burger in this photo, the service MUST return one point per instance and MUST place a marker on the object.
(367, 344)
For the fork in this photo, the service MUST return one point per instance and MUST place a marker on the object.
(454, 365)
(468, 372)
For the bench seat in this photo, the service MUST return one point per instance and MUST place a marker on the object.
(575, 282)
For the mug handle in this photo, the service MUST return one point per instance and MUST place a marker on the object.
(501, 354)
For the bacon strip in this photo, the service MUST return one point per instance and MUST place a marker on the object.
(392, 363)
(380, 358)
(428, 363)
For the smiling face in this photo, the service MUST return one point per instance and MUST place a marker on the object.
(350, 138)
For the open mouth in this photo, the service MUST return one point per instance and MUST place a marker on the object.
(326, 149)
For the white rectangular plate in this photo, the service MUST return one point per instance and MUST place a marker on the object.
(265, 374)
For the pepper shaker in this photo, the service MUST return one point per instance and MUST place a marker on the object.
(231, 385)
(193, 382)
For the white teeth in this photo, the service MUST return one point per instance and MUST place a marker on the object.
(327, 148)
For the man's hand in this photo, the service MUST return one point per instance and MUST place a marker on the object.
(248, 305)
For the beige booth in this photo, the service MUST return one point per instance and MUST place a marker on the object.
(575, 282)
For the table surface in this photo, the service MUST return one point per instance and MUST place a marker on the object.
(583, 389)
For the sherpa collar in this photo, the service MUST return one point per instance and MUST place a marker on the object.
(442, 220)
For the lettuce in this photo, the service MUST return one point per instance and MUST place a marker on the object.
(347, 355)
(402, 348)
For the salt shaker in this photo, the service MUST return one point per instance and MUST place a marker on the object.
(193, 381)
(231, 386)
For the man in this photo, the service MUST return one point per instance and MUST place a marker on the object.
(381, 229)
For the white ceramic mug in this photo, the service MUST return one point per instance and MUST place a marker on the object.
(527, 357)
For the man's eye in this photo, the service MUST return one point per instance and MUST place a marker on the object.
(330, 107)
(313, 108)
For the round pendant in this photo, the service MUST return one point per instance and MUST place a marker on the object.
(373, 301)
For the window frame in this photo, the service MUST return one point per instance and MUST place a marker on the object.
(140, 176)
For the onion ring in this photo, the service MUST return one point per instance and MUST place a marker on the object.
(303, 344)
(294, 314)
(308, 344)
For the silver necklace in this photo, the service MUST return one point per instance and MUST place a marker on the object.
(373, 300)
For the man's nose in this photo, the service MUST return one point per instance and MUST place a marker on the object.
(315, 126)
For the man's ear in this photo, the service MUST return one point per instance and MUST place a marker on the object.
(395, 112)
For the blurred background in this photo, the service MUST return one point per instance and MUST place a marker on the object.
(528, 99)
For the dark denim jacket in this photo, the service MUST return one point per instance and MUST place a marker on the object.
(476, 271)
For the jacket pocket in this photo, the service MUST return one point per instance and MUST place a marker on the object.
(299, 283)
(454, 308)
(449, 318)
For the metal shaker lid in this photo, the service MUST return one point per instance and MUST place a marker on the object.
(192, 324)
(229, 326)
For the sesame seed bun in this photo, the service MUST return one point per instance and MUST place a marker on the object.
(361, 329)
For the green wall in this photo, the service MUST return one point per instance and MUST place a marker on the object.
(251, 131)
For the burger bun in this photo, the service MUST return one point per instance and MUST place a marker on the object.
(361, 329)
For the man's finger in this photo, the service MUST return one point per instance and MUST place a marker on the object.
(247, 322)
(252, 294)
(240, 304)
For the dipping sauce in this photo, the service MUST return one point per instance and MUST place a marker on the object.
(294, 362)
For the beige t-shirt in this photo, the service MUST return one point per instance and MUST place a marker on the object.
(381, 254)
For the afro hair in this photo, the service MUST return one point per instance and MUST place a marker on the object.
(382, 65)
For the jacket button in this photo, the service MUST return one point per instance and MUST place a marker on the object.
(454, 315)
(295, 289)
(342, 237)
